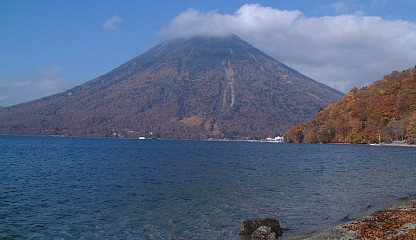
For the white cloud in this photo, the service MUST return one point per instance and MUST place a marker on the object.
(111, 23)
(47, 81)
(343, 51)
(340, 6)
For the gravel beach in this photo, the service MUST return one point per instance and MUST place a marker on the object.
(396, 222)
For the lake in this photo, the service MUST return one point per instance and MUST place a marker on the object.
(85, 188)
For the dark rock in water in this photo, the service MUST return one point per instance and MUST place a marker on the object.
(262, 229)
(249, 226)
(264, 233)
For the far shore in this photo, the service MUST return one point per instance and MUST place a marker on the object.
(395, 222)
(394, 145)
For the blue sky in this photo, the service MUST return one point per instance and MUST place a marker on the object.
(50, 46)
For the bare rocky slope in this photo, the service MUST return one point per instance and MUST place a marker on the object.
(195, 88)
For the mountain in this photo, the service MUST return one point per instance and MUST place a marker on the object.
(387, 108)
(195, 88)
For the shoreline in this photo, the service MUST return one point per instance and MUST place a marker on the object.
(393, 145)
(397, 221)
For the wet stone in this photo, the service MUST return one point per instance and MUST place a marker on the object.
(268, 228)
(264, 233)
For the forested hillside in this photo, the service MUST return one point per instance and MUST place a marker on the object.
(385, 109)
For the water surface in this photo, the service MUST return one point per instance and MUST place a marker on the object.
(80, 188)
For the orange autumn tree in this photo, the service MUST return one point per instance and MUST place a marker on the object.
(295, 134)
(411, 129)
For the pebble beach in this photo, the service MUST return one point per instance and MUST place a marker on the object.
(395, 222)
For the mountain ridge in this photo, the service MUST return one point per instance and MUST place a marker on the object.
(194, 88)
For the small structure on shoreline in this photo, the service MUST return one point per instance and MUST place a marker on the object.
(275, 139)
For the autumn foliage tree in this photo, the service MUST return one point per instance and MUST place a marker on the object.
(411, 129)
(296, 134)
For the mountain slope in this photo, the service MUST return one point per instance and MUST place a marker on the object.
(386, 108)
(197, 88)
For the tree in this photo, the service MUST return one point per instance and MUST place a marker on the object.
(411, 128)
(295, 134)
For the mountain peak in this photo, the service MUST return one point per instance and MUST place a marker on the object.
(199, 87)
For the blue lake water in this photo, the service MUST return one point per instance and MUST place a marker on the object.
(80, 188)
